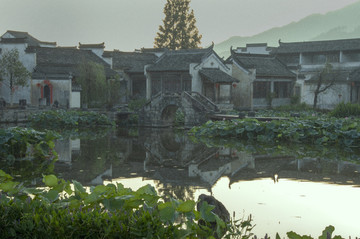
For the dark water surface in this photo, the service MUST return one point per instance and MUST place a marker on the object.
(301, 188)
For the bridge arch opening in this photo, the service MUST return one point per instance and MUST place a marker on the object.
(168, 115)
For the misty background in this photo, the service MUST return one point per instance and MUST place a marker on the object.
(127, 25)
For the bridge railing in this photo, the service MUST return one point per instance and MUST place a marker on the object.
(203, 100)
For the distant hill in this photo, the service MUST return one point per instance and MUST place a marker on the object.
(340, 24)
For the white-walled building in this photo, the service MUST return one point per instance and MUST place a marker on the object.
(198, 70)
(53, 69)
(308, 59)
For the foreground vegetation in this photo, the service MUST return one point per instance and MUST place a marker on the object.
(69, 119)
(63, 209)
(319, 131)
(68, 210)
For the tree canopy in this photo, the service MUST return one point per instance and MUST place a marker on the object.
(178, 30)
(12, 71)
(93, 83)
(97, 90)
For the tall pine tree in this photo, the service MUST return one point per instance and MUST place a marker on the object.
(178, 30)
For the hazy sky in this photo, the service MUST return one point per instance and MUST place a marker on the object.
(130, 24)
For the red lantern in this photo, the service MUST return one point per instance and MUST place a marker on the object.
(234, 85)
(217, 85)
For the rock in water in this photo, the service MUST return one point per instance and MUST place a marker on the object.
(219, 209)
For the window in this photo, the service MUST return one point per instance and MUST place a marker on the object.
(317, 58)
(282, 89)
(352, 56)
(261, 89)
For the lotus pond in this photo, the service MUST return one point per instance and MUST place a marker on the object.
(298, 187)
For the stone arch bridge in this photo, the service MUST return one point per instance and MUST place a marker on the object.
(160, 111)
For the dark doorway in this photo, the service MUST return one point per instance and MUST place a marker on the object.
(47, 94)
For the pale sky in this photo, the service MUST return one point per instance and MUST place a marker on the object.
(131, 24)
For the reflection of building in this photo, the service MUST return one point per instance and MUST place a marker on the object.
(226, 161)
(174, 160)
(66, 148)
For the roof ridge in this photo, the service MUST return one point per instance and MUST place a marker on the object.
(319, 41)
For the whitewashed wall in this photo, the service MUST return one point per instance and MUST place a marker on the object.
(29, 61)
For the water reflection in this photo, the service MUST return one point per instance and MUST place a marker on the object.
(173, 158)
(301, 188)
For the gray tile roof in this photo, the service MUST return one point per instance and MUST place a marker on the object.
(335, 75)
(355, 75)
(24, 37)
(180, 60)
(319, 46)
(266, 66)
(131, 62)
(57, 61)
(216, 76)
(100, 45)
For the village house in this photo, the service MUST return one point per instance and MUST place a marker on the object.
(308, 59)
(263, 80)
(130, 66)
(55, 73)
(23, 42)
(196, 70)
(54, 69)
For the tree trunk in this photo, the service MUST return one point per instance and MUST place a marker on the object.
(315, 99)
(11, 90)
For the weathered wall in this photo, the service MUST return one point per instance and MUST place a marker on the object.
(61, 90)
(29, 61)
(242, 93)
(328, 99)
(75, 101)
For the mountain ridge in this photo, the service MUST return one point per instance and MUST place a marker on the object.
(339, 24)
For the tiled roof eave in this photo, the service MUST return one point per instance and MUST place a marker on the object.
(276, 76)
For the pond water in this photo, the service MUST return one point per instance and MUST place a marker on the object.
(300, 188)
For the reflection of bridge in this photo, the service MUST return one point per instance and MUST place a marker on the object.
(161, 110)
(175, 159)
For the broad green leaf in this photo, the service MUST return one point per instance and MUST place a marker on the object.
(147, 189)
(5, 175)
(167, 214)
(78, 187)
(186, 206)
(327, 231)
(51, 195)
(206, 213)
(50, 180)
(8, 186)
(293, 235)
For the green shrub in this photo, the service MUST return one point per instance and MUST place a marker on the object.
(295, 100)
(18, 142)
(346, 110)
(135, 105)
(319, 131)
(110, 211)
(179, 118)
(62, 118)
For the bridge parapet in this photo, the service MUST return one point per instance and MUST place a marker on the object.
(160, 111)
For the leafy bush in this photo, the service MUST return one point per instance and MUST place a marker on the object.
(62, 118)
(135, 105)
(179, 118)
(320, 131)
(346, 110)
(110, 211)
(17, 142)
